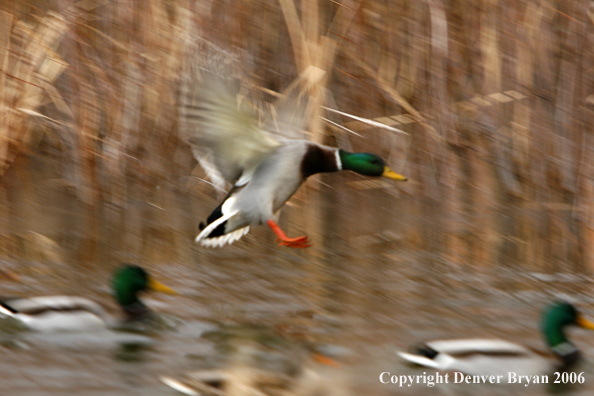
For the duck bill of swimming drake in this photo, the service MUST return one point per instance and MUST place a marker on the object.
(584, 323)
(154, 285)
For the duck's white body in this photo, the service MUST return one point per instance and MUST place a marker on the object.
(500, 357)
(56, 313)
(481, 357)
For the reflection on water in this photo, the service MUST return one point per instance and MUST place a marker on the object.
(366, 305)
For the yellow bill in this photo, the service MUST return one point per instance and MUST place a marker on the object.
(159, 287)
(586, 324)
(390, 174)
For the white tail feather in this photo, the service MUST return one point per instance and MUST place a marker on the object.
(224, 239)
(178, 386)
(420, 360)
(211, 227)
(220, 241)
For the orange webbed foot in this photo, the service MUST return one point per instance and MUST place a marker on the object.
(283, 240)
(297, 243)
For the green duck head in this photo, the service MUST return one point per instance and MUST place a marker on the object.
(367, 164)
(556, 317)
(128, 282)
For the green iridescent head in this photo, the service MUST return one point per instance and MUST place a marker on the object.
(367, 164)
(556, 317)
(130, 280)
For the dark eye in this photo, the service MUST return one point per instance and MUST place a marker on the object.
(374, 161)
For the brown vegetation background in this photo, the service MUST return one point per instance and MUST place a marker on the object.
(495, 98)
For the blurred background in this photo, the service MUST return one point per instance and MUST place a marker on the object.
(496, 102)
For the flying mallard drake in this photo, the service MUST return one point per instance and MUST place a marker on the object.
(62, 313)
(264, 172)
(497, 357)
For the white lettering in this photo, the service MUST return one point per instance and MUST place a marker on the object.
(428, 380)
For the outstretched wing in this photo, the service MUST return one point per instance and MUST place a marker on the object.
(290, 115)
(217, 125)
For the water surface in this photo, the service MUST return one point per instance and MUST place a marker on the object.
(367, 306)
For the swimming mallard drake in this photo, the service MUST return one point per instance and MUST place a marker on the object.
(59, 313)
(498, 357)
(264, 172)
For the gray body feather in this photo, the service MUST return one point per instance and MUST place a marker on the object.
(274, 181)
(255, 200)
